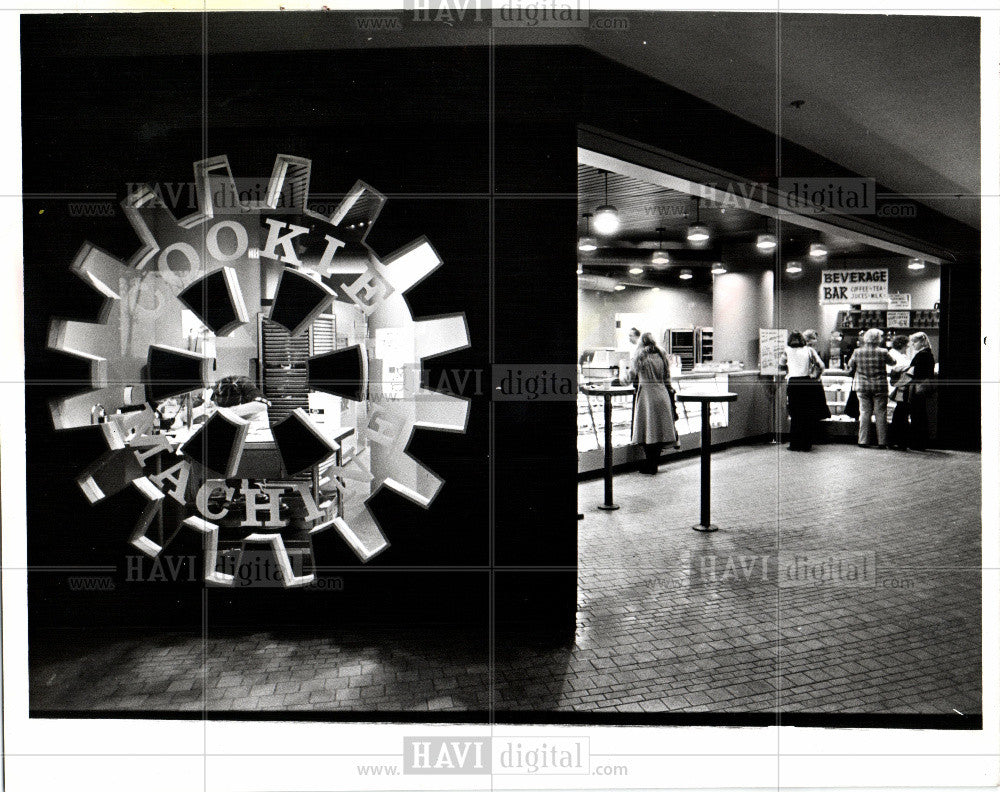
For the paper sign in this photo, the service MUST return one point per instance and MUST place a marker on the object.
(772, 344)
(899, 301)
(839, 287)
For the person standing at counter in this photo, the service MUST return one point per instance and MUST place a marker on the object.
(899, 427)
(653, 424)
(868, 364)
(806, 399)
(922, 371)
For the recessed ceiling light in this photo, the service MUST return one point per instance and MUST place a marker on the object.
(816, 250)
(686, 274)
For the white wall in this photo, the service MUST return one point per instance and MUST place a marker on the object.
(669, 307)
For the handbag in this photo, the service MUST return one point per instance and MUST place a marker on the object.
(852, 409)
(815, 365)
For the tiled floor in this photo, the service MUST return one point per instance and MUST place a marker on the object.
(893, 627)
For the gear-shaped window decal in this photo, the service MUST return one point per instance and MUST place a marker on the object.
(260, 288)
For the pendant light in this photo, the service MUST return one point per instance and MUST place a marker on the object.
(660, 255)
(767, 241)
(818, 250)
(697, 233)
(635, 271)
(718, 268)
(686, 274)
(606, 220)
(587, 242)
(793, 268)
(915, 264)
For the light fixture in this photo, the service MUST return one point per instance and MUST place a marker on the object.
(697, 233)
(606, 220)
(656, 288)
(620, 287)
(587, 242)
(817, 250)
(635, 271)
(718, 269)
(916, 264)
(579, 270)
(793, 267)
(766, 242)
(686, 274)
(660, 255)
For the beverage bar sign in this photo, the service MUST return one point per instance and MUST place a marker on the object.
(845, 286)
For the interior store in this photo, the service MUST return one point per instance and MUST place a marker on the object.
(719, 278)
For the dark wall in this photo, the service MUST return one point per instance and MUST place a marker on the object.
(415, 123)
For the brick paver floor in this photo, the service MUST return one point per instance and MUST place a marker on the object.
(843, 580)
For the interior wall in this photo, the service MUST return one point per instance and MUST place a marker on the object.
(672, 306)
(743, 303)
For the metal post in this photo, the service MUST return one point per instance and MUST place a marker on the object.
(706, 464)
(609, 499)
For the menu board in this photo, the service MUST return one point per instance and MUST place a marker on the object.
(848, 286)
(772, 345)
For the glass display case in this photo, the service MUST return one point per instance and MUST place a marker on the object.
(590, 413)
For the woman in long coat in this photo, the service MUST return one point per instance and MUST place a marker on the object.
(653, 422)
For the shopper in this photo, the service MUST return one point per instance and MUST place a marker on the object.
(806, 399)
(922, 371)
(899, 378)
(653, 426)
(869, 364)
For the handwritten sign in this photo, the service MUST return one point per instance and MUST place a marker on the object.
(899, 301)
(772, 344)
(838, 287)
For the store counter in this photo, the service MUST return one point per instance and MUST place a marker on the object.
(751, 416)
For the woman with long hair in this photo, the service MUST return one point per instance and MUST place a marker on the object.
(653, 427)
(806, 399)
(922, 371)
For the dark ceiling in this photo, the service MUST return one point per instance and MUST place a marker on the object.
(894, 97)
(645, 208)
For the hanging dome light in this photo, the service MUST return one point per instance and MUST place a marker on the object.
(915, 264)
(718, 269)
(817, 250)
(697, 233)
(766, 242)
(587, 242)
(686, 274)
(660, 255)
(793, 267)
(606, 221)
(620, 287)
(656, 288)
(579, 270)
(635, 271)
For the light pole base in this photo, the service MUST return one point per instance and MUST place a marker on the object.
(705, 528)
(609, 506)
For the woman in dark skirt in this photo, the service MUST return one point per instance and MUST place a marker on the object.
(653, 422)
(806, 398)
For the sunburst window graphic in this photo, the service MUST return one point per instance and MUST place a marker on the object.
(255, 365)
